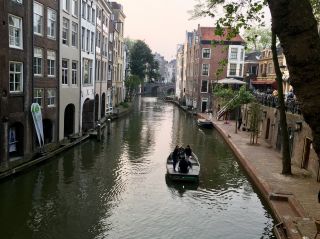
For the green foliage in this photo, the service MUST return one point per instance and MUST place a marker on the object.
(226, 94)
(257, 39)
(316, 9)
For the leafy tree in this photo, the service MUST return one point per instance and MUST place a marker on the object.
(294, 23)
(257, 38)
(132, 83)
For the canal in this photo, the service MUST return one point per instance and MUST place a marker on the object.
(116, 189)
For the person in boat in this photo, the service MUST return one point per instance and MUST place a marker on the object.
(175, 155)
(188, 151)
(184, 165)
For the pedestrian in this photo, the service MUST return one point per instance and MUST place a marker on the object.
(188, 151)
(174, 157)
(239, 122)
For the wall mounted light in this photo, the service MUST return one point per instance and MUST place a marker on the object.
(298, 126)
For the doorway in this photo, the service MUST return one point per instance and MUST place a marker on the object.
(306, 153)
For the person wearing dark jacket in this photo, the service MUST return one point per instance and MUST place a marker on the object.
(188, 151)
(174, 156)
(184, 165)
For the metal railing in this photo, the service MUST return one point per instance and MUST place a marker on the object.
(291, 104)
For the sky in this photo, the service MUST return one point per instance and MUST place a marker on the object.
(162, 24)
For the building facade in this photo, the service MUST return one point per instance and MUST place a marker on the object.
(69, 100)
(16, 129)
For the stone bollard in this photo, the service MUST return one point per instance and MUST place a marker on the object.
(109, 124)
(99, 132)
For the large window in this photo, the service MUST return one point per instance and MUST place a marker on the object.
(74, 72)
(84, 9)
(75, 8)
(66, 5)
(51, 60)
(52, 24)
(17, 1)
(15, 32)
(206, 53)
(234, 53)
(87, 71)
(233, 69)
(51, 97)
(74, 34)
(83, 38)
(64, 70)
(92, 41)
(88, 40)
(38, 96)
(38, 61)
(38, 18)
(93, 16)
(204, 86)
(205, 69)
(16, 77)
(65, 31)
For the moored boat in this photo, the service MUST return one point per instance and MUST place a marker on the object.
(204, 123)
(191, 176)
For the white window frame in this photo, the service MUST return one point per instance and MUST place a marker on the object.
(230, 68)
(66, 30)
(74, 34)
(17, 83)
(66, 5)
(74, 73)
(38, 96)
(87, 71)
(51, 97)
(17, 1)
(203, 68)
(64, 72)
(51, 23)
(84, 10)
(233, 53)
(87, 40)
(203, 53)
(38, 61)
(38, 12)
(92, 42)
(75, 8)
(51, 62)
(14, 30)
(83, 39)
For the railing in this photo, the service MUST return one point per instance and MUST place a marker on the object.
(291, 104)
(224, 109)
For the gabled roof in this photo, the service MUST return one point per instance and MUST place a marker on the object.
(252, 56)
(208, 33)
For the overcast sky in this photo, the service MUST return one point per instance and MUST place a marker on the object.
(160, 23)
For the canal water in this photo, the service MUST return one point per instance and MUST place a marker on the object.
(116, 189)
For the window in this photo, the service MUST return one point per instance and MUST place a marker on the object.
(15, 32)
(240, 70)
(75, 8)
(206, 53)
(234, 53)
(84, 9)
(74, 72)
(242, 54)
(87, 71)
(88, 40)
(98, 39)
(89, 9)
(204, 86)
(16, 77)
(64, 72)
(92, 40)
(233, 69)
(51, 97)
(65, 31)
(66, 5)
(52, 23)
(38, 18)
(51, 60)
(74, 34)
(37, 61)
(93, 16)
(270, 69)
(38, 95)
(83, 32)
(205, 69)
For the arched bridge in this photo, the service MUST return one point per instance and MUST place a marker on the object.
(159, 89)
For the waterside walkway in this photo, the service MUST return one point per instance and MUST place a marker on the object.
(292, 199)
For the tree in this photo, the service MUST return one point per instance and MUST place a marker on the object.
(294, 23)
(257, 38)
(132, 83)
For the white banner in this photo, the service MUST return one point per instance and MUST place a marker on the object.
(37, 120)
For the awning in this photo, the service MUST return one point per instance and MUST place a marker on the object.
(231, 81)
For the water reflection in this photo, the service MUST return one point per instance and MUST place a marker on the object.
(117, 188)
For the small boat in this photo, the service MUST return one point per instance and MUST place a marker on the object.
(204, 123)
(191, 176)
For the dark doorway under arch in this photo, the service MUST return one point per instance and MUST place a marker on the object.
(103, 105)
(15, 140)
(96, 108)
(47, 131)
(69, 115)
(87, 115)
